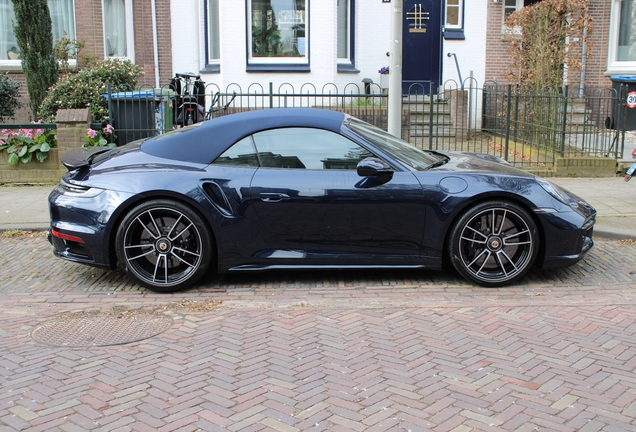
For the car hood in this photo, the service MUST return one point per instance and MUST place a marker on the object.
(480, 163)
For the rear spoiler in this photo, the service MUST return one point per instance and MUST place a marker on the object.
(82, 157)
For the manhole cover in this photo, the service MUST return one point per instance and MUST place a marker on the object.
(101, 328)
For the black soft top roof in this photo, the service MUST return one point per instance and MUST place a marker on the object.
(204, 142)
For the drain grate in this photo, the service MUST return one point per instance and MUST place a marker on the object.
(101, 328)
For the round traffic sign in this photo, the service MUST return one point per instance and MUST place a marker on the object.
(631, 99)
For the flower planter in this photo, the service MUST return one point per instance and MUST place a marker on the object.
(384, 81)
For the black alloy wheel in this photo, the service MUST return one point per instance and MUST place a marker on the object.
(493, 243)
(164, 245)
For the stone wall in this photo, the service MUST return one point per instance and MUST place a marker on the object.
(71, 127)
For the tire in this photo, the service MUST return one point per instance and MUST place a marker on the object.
(164, 245)
(493, 243)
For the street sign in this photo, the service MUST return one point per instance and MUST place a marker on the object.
(631, 99)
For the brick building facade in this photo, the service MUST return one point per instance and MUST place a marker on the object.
(89, 28)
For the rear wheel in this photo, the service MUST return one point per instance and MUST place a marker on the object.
(493, 243)
(164, 245)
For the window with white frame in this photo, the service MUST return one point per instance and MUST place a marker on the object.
(119, 37)
(511, 6)
(62, 20)
(622, 39)
(213, 38)
(454, 14)
(278, 32)
(454, 19)
(346, 35)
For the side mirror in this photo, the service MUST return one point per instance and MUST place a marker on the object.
(373, 167)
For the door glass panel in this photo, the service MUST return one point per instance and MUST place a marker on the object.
(308, 148)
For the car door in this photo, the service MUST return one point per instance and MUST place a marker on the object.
(311, 200)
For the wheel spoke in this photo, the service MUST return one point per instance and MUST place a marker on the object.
(478, 256)
(517, 234)
(497, 255)
(147, 230)
(478, 232)
(501, 225)
(185, 251)
(181, 232)
(158, 266)
(485, 261)
(142, 255)
(154, 223)
(474, 240)
(182, 260)
(174, 226)
(139, 246)
(509, 260)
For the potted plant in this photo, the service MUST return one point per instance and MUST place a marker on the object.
(384, 77)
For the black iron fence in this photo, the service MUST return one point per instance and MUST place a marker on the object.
(526, 126)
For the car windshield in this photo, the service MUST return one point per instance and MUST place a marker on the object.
(400, 150)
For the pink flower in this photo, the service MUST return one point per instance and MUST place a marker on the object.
(108, 129)
(91, 133)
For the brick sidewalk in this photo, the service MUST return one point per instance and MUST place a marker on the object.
(409, 350)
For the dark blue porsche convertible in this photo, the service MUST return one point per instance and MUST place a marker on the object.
(305, 188)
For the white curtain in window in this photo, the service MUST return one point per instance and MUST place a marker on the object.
(627, 31)
(115, 28)
(213, 30)
(7, 39)
(62, 18)
(343, 29)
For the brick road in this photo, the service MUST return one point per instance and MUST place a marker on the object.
(408, 350)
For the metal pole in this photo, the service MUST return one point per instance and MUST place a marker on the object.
(395, 74)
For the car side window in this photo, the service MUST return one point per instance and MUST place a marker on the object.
(241, 153)
(308, 148)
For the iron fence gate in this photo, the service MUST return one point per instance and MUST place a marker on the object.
(528, 127)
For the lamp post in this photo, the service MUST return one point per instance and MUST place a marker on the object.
(395, 76)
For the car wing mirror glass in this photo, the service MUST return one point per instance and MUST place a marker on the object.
(372, 166)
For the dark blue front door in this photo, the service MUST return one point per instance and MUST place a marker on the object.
(422, 45)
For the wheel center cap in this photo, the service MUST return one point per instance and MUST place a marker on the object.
(163, 245)
(495, 243)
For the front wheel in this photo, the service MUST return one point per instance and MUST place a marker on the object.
(164, 245)
(493, 243)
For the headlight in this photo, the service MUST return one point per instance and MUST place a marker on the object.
(558, 193)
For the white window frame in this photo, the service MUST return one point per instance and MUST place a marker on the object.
(211, 60)
(460, 16)
(130, 31)
(16, 65)
(615, 66)
(347, 35)
(277, 60)
(518, 6)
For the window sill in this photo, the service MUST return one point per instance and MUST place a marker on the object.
(211, 68)
(454, 34)
(278, 68)
(347, 68)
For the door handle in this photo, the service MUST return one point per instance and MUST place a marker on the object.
(273, 197)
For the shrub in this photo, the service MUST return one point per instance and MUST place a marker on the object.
(545, 38)
(9, 94)
(22, 145)
(85, 89)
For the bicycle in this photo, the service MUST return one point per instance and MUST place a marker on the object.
(190, 98)
(216, 107)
